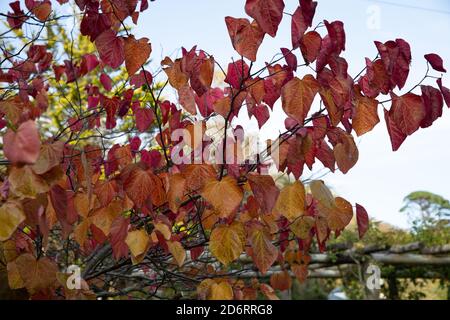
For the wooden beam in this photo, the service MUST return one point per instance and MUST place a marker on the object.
(410, 259)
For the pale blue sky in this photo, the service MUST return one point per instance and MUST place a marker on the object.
(381, 178)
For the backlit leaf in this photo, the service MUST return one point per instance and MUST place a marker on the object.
(136, 53)
(11, 216)
(291, 201)
(22, 145)
(264, 253)
(224, 195)
(268, 14)
(227, 242)
(297, 97)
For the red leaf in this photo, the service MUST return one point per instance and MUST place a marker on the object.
(337, 35)
(308, 11)
(118, 234)
(362, 219)
(290, 58)
(144, 118)
(94, 23)
(90, 61)
(261, 113)
(236, 73)
(135, 143)
(298, 27)
(138, 186)
(106, 82)
(396, 57)
(310, 46)
(396, 135)
(246, 37)
(23, 145)
(110, 48)
(407, 112)
(268, 14)
(435, 62)
(301, 20)
(143, 77)
(152, 158)
(445, 92)
(265, 191)
(433, 103)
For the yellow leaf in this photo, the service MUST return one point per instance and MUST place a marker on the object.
(338, 212)
(221, 291)
(104, 217)
(164, 230)
(291, 201)
(25, 183)
(137, 241)
(178, 252)
(11, 216)
(302, 226)
(227, 242)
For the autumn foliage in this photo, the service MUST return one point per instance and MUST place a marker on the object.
(139, 222)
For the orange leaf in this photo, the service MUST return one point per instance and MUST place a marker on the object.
(136, 53)
(302, 226)
(177, 78)
(104, 217)
(338, 212)
(163, 229)
(224, 195)
(50, 156)
(80, 233)
(81, 202)
(207, 72)
(36, 274)
(106, 191)
(338, 219)
(297, 97)
(25, 183)
(42, 10)
(246, 37)
(366, 116)
(197, 174)
(264, 253)
(268, 292)
(138, 185)
(176, 193)
(281, 281)
(227, 242)
(346, 153)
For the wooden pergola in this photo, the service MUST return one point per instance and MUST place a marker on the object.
(341, 258)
